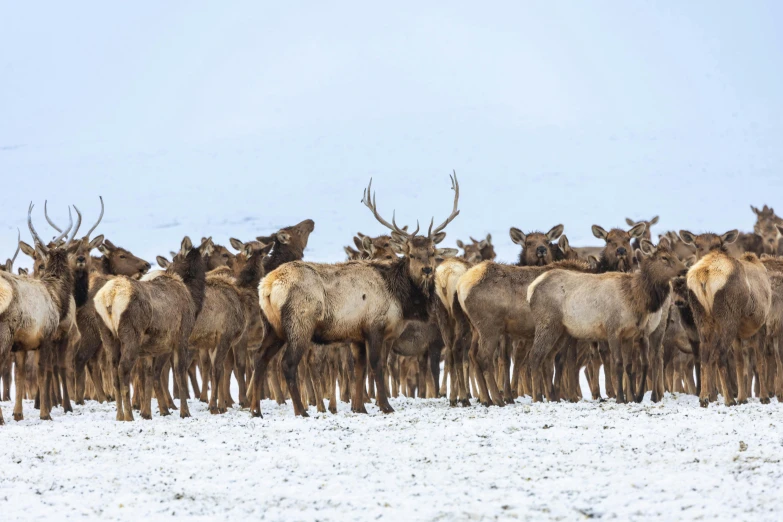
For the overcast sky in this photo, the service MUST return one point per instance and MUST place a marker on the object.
(196, 117)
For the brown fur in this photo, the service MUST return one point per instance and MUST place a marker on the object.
(538, 248)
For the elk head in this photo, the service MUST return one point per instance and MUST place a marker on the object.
(118, 261)
(537, 247)
(617, 254)
(79, 252)
(478, 251)
(420, 253)
(220, 256)
(51, 262)
(660, 261)
(647, 231)
(375, 247)
(708, 242)
(247, 251)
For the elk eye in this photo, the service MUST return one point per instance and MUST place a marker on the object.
(122, 256)
(388, 257)
(225, 255)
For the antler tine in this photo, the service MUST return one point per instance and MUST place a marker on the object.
(36, 237)
(49, 220)
(65, 233)
(368, 199)
(76, 228)
(455, 210)
(99, 219)
(18, 247)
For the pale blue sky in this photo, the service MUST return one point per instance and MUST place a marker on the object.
(230, 118)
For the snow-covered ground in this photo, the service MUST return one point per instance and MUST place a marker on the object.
(427, 461)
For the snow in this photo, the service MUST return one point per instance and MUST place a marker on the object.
(426, 461)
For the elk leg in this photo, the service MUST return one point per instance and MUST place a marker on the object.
(240, 370)
(594, 377)
(206, 376)
(180, 364)
(482, 368)
(545, 343)
(610, 376)
(217, 399)
(145, 366)
(159, 365)
(433, 373)
(359, 362)
(376, 351)
(759, 346)
(124, 369)
(228, 367)
(19, 378)
(741, 365)
(644, 354)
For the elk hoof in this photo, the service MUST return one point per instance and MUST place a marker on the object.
(765, 400)
(359, 410)
(510, 401)
(46, 417)
(704, 403)
(333, 411)
(68, 409)
(18, 416)
(453, 403)
(2, 422)
(214, 411)
(465, 403)
(305, 414)
(146, 416)
(387, 409)
(256, 414)
(165, 413)
(485, 404)
(184, 414)
(80, 403)
(735, 403)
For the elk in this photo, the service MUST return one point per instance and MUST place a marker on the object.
(617, 254)
(537, 247)
(358, 302)
(492, 297)
(150, 319)
(478, 251)
(288, 244)
(730, 299)
(647, 232)
(611, 307)
(31, 310)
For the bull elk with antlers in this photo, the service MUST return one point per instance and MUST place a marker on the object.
(358, 302)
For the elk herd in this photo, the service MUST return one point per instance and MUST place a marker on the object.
(691, 313)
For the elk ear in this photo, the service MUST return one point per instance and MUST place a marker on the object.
(654, 220)
(755, 210)
(22, 271)
(489, 238)
(95, 242)
(360, 236)
(446, 252)
(162, 262)
(109, 245)
(350, 252)
(592, 261)
(248, 251)
(283, 238)
(367, 246)
(398, 238)
(27, 249)
(357, 240)
(563, 243)
(780, 229)
(638, 231)
(630, 222)
(437, 238)
(397, 246)
(460, 244)
(599, 232)
(185, 247)
(265, 248)
(483, 244)
(663, 242)
(207, 247)
(555, 232)
(517, 236)
(729, 237)
(236, 244)
(690, 261)
(687, 238)
(647, 247)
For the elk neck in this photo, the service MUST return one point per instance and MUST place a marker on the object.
(81, 286)
(282, 254)
(251, 274)
(58, 279)
(413, 299)
(193, 271)
(648, 290)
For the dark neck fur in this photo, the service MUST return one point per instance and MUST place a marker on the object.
(282, 254)
(649, 292)
(58, 279)
(192, 270)
(81, 287)
(252, 272)
(413, 300)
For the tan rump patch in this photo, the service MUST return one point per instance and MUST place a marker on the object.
(112, 300)
(447, 276)
(6, 294)
(532, 287)
(269, 297)
(470, 279)
(708, 276)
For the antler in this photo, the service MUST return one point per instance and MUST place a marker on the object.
(373, 206)
(48, 219)
(36, 237)
(18, 247)
(99, 219)
(454, 212)
(76, 229)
